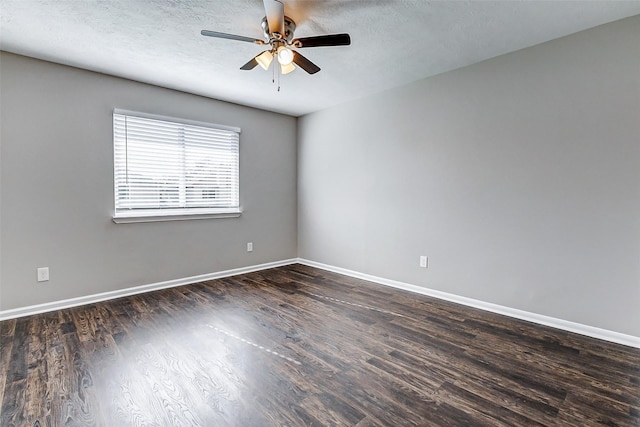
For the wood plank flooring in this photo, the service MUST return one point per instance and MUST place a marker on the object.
(298, 346)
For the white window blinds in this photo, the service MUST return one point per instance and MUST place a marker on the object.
(165, 166)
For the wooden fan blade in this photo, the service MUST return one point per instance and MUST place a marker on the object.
(304, 63)
(274, 10)
(250, 65)
(328, 40)
(230, 36)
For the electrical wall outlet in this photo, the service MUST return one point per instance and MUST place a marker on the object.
(43, 274)
(424, 262)
(250, 247)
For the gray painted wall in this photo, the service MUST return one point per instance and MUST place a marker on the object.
(518, 177)
(57, 188)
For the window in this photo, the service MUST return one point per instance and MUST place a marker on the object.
(167, 168)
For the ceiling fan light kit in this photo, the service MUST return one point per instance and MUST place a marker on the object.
(264, 59)
(287, 68)
(285, 55)
(278, 32)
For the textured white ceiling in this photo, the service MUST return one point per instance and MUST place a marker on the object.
(394, 42)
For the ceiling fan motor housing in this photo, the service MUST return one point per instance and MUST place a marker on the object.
(289, 28)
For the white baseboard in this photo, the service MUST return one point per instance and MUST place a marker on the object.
(578, 328)
(590, 331)
(90, 299)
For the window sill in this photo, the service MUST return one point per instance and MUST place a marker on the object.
(153, 216)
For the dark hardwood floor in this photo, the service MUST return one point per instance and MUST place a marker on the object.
(297, 346)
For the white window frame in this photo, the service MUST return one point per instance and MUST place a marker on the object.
(138, 214)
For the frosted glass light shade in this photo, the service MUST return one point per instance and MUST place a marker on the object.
(285, 55)
(287, 68)
(264, 59)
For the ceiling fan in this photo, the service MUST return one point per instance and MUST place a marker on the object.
(278, 32)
